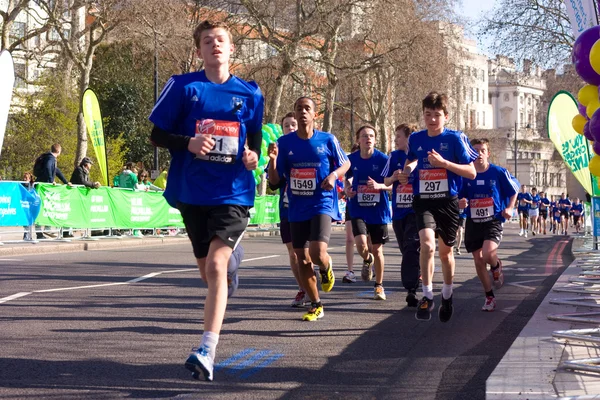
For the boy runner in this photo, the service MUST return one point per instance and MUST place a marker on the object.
(369, 205)
(544, 207)
(439, 157)
(524, 201)
(564, 204)
(404, 219)
(490, 197)
(534, 210)
(311, 161)
(205, 119)
(555, 215)
(577, 210)
(288, 124)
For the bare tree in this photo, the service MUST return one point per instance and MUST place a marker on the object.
(16, 9)
(538, 30)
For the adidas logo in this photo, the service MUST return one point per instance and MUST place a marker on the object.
(420, 148)
(355, 168)
(291, 153)
(194, 98)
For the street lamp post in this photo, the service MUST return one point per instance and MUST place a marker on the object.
(515, 149)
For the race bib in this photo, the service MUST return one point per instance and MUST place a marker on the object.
(433, 183)
(404, 196)
(522, 203)
(482, 209)
(367, 197)
(576, 213)
(557, 214)
(303, 181)
(227, 140)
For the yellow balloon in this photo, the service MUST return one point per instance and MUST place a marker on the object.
(594, 165)
(587, 94)
(578, 123)
(595, 57)
(592, 107)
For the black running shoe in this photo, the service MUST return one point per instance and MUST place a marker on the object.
(446, 310)
(424, 308)
(411, 299)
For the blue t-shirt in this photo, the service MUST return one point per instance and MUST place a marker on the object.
(544, 203)
(535, 202)
(488, 194)
(555, 210)
(305, 163)
(521, 197)
(402, 195)
(370, 205)
(577, 209)
(190, 104)
(564, 204)
(438, 183)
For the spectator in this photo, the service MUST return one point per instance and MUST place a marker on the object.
(128, 179)
(28, 182)
(161, 179)
(81, 174)
(145, 184)
(45, 168)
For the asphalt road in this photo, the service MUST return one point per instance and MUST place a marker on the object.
(84, 325)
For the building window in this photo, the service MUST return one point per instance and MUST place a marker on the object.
(18, 30)
(483, 118)
(477, 124)
(521, 118)
(537, 179)
(473, 94)
(545, 179)
(483, 96)
(477, 92)
(506, 97)
(529, 101)
(551, 179)
(521, 99)
(529, 119)
(20, 75)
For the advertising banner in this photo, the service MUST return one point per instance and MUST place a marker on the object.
(19, 206)
(93, 123)
(7, 72)
(582, 15)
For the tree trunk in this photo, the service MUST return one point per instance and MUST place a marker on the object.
(273, 112)
(84, 82)
(330, 92)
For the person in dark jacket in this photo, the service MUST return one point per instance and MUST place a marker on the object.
(48, 170)
(81, 174)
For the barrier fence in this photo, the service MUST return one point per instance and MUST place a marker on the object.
(77, 207)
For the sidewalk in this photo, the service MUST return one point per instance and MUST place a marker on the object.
(532, 368)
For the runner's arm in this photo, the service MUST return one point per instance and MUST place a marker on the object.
(167, 140)
(464, 170)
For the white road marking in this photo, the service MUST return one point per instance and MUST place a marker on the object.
(135, 280)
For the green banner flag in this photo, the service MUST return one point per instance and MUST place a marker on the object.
(265, 211)
(93, 122)
(573, 147)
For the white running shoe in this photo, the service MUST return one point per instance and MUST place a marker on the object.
(349, 277)
(521, 232)
(525, 234)
(490, 304)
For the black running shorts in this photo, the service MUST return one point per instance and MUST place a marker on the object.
(544, 214)
(316, 229)
(284, 230)
(477, 233)
(203, 223)
(441, 215)
(378, 232)
(524, 212)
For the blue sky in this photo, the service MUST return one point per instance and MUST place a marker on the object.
(472, 10)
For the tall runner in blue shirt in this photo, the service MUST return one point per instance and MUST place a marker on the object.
(369, 205)
(205, 119)
(534, 210)
(311, 161)
(544, 208)
(490, 197)
(288, 125)
(439, 157)
(524, 203)
(564, 204)
(404, 220)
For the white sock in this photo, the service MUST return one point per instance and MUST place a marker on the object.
(210, 340)
(428, 291)
(446, 291)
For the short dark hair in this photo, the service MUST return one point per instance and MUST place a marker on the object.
(307, 98)
(207, 25)
(480, 141)
(367, 126)
(288, 115)
(436, 101)
(407, 129)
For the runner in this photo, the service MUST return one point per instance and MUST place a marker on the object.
(288, 124)
(564, 204)
(462, 219)
(544, 207)
(210, 178)
(349, 277)
(369, 205)
(556, 215)
(490, 197)
(534, 211)
(403, 217)
(578, 214)
(524, 200)
(439, 157)
(311, 161)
